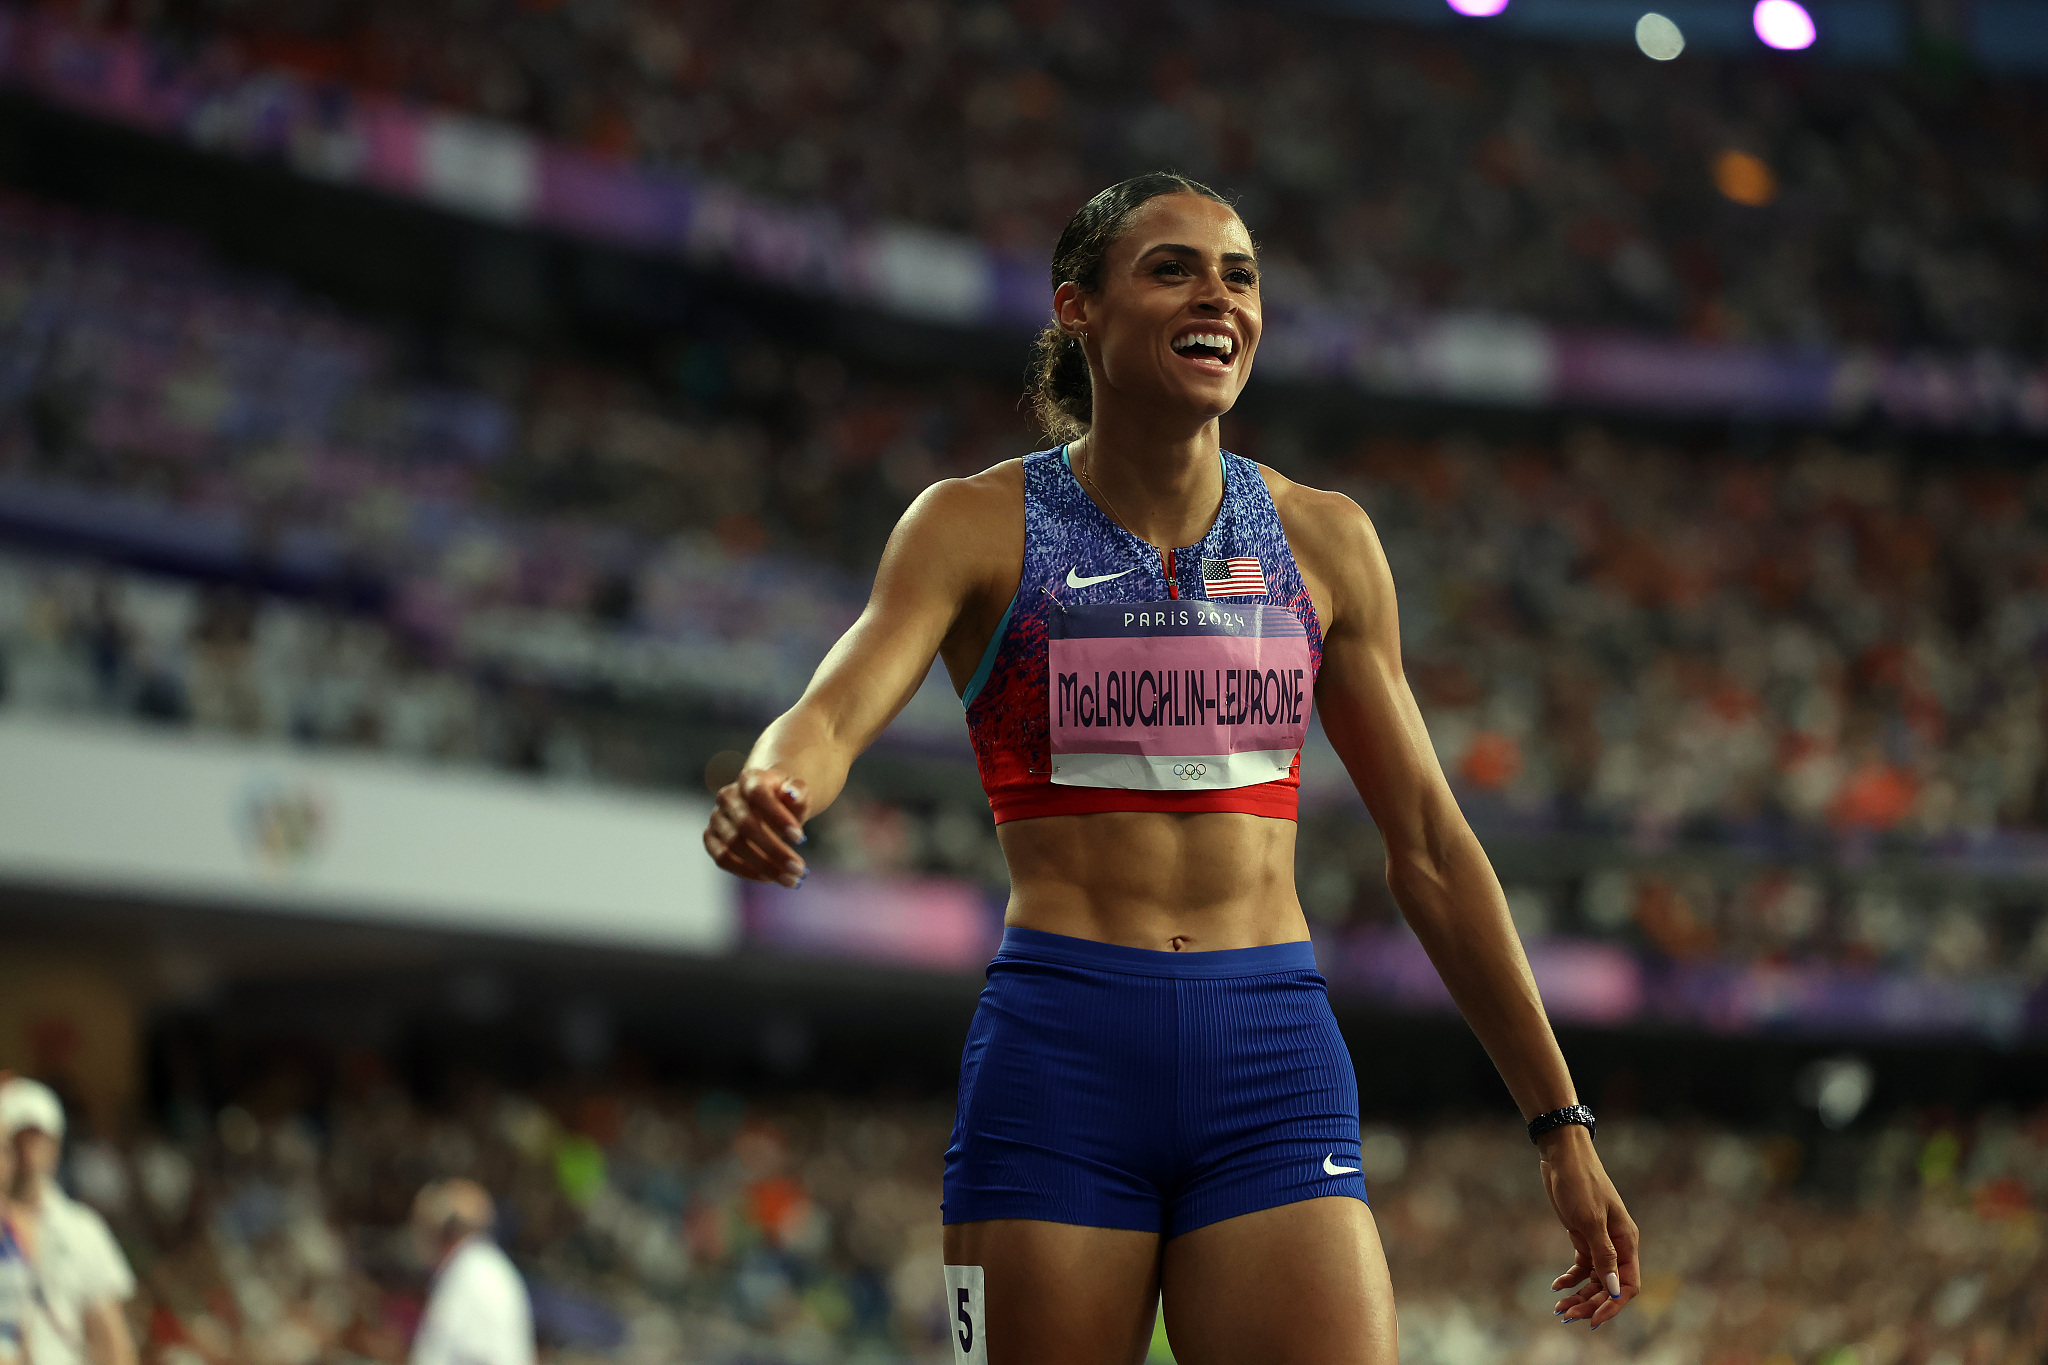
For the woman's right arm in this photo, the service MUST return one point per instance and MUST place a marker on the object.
(945, 557)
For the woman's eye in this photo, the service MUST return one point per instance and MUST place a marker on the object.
(1174, 267)
(1243, 277)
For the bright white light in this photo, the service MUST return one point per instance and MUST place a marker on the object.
(1783, 24)
(1658, 37)
(1478, 9)
(1838, 1087)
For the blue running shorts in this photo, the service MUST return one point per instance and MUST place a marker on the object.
(1126, 1088)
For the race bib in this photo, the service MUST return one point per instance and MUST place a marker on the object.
(966, 1298)
(1176, 695)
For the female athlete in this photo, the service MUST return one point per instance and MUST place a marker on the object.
(1155, 1105)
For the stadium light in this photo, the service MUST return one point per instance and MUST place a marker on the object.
(1478, 9)
(1658, 37)
(1745, 178)
(1783, 24)
(1837, 1088)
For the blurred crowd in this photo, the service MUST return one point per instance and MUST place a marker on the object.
(655, 1225)
(1686, 639)
(85, 641)
(651, 1227)
(1763, 198)
(475, 553)
(546, 518)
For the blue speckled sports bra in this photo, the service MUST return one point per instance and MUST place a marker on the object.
(1124, 677)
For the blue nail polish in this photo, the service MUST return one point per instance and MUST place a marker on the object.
(802, 875)
(802, 838)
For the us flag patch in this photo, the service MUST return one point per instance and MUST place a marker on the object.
(1240, 577)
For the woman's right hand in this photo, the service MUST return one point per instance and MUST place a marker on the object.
(757, 825)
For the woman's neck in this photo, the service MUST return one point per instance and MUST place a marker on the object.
(1165, 489)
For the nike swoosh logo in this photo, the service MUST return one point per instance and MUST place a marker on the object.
(1330, 1166)
(1074, 580)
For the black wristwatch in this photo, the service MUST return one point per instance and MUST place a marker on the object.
(1560, 1118)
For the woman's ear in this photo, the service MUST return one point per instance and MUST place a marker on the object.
(1070, 309)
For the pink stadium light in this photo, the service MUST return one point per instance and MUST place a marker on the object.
(1478, 9)
(1783, 24)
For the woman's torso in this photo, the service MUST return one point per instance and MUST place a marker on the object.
(1181, 868)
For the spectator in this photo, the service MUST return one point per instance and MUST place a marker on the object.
(16, 1291)
(78, 1277)
(478, 1313)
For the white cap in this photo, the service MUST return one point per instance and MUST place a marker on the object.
(30, 1104)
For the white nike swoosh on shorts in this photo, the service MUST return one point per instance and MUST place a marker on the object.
(1330, 1166)
(1074, 582)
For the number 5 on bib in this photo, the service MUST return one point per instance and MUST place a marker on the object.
(967, 1303)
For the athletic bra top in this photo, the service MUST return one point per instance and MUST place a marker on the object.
(1128, 678)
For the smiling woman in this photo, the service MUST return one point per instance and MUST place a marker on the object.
(1156, 1106)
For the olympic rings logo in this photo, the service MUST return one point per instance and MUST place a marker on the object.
(1190, 772)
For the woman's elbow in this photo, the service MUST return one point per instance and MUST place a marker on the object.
(1429, 859)
(1415, 876)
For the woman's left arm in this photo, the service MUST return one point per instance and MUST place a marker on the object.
(1440, 877)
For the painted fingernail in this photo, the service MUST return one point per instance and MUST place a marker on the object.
(791, 881)
(789, 790)
(795, 865)
(1613, 1285)
(797, 836)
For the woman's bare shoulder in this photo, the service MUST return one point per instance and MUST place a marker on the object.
(995, 492)
(1316, 515)
(1337, 550)
(973, 524)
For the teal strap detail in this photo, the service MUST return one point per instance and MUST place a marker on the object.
(988, 656)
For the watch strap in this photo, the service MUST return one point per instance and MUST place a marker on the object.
(1561, 1118)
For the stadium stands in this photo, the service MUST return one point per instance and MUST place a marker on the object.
(520, 564)
(1383, 167)
(660, 1224)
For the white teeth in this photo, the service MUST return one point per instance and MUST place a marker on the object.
(1214, 340)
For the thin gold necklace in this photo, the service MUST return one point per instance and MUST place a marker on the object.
(1107, 505)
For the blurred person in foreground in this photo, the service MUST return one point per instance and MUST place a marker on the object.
(1156, 1105)
(477, 1312)
(78, 1278)
(17, 1295)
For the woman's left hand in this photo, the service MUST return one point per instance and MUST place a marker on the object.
(1605, 1273)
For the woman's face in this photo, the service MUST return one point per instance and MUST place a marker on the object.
(1176, 321)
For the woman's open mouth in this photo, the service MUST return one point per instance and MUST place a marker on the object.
(1210, 350)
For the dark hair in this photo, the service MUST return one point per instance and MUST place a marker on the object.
(1056, 382)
